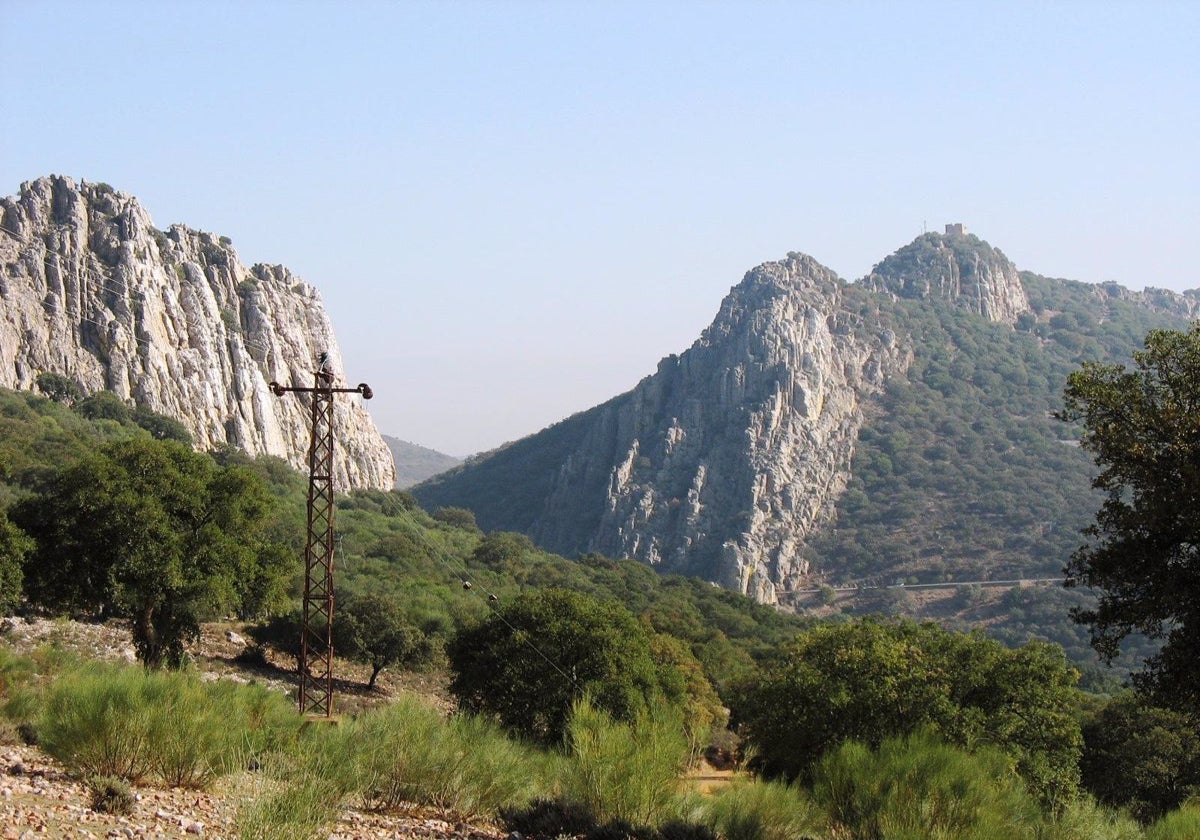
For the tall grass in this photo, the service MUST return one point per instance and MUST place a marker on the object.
(627, 772)
(23, 680)
(1183, 824)
(1083, 819)
(135, 724)
(300, 789)
(765, 811)
(409, 753)
(920, 787)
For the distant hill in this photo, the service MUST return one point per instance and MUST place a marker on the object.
(819, 431)
(415, 463)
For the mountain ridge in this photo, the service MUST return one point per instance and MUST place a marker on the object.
(733, 460)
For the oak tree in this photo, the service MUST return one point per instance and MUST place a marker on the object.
(535, 656)
(1143, 427)
(151, 531)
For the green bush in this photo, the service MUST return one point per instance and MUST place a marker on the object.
(131, 724)
(919, 786)
(764, 811)
(1083, 819)
(299, 810)
(300, 789)
(110, 795)
(464, 766)
(625, 771)
(97, 722)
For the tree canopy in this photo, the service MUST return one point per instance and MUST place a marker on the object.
(1140, 757)
(14, 545)
(373, 629)
(867, 681)
(532, 659)
(1143, 427)
(156, 533)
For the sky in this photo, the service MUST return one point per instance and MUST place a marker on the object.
(513, 210)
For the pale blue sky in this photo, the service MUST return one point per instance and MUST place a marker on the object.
(514, 209)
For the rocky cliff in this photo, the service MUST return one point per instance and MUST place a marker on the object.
(959, 268)
(720, 463)
(900, 427)
(169, 320)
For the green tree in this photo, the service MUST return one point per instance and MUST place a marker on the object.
(59, 388)
(1140, 757)
(161, 427)
(1143, 427)
(867, 681)
(456, 517)
(685, 685)
(14, 545)
(153, 532)
(104, 405)
(502, 550)
(532, 659)
(373, 629)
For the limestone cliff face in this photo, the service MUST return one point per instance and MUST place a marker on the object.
(720, 463)
(960, 268)
(1168, 302)
(169, 320)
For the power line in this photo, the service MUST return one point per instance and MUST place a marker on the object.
(474, 587)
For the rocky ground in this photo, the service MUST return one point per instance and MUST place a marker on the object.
(38, 799)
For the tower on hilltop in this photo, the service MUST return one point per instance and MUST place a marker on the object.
(956, 229)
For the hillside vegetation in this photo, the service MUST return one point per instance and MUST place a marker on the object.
(517, 624)
(962, 472)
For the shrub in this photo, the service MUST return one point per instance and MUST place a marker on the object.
(764, 811)
(298, 810)
(97, 723)
(919, 784)
(464, 766)
(625, 771)
(1083, 819)
(110, 795)
(301, 787)
(131, 723)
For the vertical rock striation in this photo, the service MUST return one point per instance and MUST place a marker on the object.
(959, 268)
(170, 320)
(720, 463)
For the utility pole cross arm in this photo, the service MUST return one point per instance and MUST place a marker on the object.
(315, 667)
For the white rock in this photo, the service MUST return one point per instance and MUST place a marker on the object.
(173, 321)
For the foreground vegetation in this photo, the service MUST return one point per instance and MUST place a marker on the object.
(117, 726)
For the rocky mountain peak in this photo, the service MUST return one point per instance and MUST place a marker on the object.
(169, 320)
(956, 267)
(722, 461)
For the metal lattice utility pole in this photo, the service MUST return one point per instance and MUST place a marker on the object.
(315, 693)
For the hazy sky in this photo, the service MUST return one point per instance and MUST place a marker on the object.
(514, 209)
